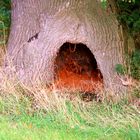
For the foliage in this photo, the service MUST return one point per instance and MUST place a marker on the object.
(120, 69)
(130, 15)
(5, 13)
(135, 64)
(103, 3)
(4, 20)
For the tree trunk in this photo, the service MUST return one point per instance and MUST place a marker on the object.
(129, 43)
(40, 27)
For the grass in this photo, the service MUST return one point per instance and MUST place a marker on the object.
(100, 122)
(60, 118)
(34, 128)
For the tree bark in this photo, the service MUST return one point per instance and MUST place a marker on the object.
(123, 29)
(40, 27)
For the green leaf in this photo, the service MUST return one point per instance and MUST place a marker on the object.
(120, 69)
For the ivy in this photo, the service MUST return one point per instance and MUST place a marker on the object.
(130, 15)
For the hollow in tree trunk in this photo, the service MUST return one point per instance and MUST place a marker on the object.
(40, 27)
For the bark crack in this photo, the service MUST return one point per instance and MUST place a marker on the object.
(33, 37)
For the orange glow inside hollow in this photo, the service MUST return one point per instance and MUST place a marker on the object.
(76, 69)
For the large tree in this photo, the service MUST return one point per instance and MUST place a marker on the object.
(40, 27)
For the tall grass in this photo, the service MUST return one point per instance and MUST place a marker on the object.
(68, 120)
(39, 113)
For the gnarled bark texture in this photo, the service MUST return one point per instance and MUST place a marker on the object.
(40, 27)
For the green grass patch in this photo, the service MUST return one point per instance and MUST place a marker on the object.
(74, 121)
